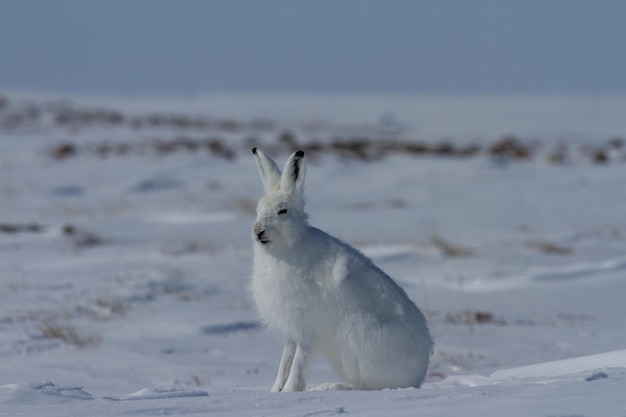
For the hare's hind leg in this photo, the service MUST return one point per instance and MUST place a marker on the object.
(289, 351)
(334, 386)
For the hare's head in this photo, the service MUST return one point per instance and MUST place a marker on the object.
(280, 217)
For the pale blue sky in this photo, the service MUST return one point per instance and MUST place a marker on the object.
(315, 46)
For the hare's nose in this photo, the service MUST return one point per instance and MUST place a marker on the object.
(259, 231)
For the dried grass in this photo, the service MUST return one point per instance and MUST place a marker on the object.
(67, 333)
(450, 249)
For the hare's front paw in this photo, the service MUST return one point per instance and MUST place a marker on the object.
(278, 385)
(294, 384)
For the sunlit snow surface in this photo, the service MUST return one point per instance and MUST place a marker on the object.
(124, 279)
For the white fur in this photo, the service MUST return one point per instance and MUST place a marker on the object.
(324, 296)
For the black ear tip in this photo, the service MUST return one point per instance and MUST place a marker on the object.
(299, 154)
(254, 150)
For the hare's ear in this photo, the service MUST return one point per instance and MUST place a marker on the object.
(292, 180)
(269, 171)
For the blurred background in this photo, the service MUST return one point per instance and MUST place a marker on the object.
(159, 47)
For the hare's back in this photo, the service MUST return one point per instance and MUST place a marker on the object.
(364, 286)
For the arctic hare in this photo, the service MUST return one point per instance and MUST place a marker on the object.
(324, 296)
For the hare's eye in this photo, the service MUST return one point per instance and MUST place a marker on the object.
(282, 211)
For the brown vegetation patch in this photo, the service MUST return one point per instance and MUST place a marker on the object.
(81, 238)
(550, 248)
(68, 334)
(510, 147)
(373, 145)
(14, 228)
(450, 249)
(474, 317)
(161, 147)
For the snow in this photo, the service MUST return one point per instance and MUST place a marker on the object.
(615, 359)
(124, 279)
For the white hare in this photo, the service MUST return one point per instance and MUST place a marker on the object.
(324, 296)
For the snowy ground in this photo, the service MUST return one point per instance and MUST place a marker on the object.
(124, 269)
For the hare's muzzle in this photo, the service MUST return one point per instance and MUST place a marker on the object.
(259, 232)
